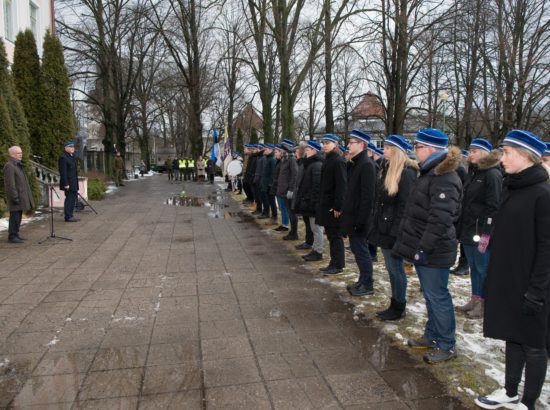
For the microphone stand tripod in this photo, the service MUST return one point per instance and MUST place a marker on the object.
(52, 233)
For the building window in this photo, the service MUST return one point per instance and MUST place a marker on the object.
(34, 19)
(9, 19)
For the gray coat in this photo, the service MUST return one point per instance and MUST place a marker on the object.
(287, 175)
(17, 187)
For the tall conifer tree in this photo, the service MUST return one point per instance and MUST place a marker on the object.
(13, 126)
(57, 120)
(26, 77)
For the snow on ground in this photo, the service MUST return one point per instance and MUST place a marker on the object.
(37, 216)
(480, 366)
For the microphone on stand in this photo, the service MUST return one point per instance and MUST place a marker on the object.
(37, 156)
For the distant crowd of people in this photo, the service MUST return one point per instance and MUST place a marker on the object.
(417, 203)
(187, 169)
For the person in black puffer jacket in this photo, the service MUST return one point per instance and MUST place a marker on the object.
(357, 209)
(482, 190)
(428, 238)
(300, 158)
(331, 202)
(307, 196)
(393, 186)
(266, 182)
(285, 187)
(517, 299)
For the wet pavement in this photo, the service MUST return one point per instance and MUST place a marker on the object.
(178, 301)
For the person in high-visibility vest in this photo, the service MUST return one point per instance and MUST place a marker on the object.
(181, 163)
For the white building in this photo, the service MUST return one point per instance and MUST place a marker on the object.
(19, 15)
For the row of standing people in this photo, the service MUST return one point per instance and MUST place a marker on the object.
(187, 169)
(416, 211)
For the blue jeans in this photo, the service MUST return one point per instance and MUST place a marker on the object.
(398, 278)
(441, 323)
(360, 249)
(284, 211)
(479, 262)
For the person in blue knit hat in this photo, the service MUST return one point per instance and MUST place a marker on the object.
(480, 203)
(285, 189)
(428, 238)
(546, 154)
(396, 180)
(517, 302)
(331, 202)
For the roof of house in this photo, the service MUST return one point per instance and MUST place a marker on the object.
(369, 106)
(248, 119)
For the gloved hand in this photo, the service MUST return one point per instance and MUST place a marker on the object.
(531, 306)
(483, 243)
(420, 258)
(16, 201)
(289, 195)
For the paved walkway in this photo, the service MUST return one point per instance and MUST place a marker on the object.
(185, 307)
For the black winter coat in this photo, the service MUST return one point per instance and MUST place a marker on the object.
(333, 188)
(268, 172)
(260, 163)
(68, 172)
(307, 195)
(520, 260)
(276, 174)
(250, 169)
(481, 199)
(360, 194)
(389, 210)
(287, 177)
(432, 210)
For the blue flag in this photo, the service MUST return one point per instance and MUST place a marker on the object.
(214, 145)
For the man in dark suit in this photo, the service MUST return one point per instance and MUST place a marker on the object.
(68, 181)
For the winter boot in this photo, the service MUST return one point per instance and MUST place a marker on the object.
(468, 306)
(383, 312)
(477, 311)
(398, 312)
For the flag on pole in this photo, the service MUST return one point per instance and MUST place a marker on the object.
(215, 145)
(227, 148)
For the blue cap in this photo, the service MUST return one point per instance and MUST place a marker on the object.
(398, 141)
(343, 148)
(360, 135)
(269, 146)
(373, 148)
(432, 137)
(525, 139)
(69, 144)
(330, 137)
(236, 154)
(547, 150)
(314, 144)
(288, 144)
(278, 146)
(465, 153)
(481, 143)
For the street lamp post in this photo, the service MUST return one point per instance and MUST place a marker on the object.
(443, 96)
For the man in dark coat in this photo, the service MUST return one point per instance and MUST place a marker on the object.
(257, 181)
(307, 197)
(247, 186)
(286, 184)
(357, 209)
(211, 170)
(329, 209)
(266, 182)
(119, 169)
(18, 192)
(250, 172)
(68, 180)
(428, 238)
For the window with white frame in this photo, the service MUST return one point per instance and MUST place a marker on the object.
(34, 18)
(9, 19)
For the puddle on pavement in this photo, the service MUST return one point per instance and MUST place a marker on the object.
(185, 201)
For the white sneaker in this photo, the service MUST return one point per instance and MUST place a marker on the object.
(498, 399)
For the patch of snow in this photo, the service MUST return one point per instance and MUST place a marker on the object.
(37, 216)
(111, 189)
(53, 341)
(4, 363)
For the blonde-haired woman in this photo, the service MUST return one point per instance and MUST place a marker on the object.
(517, 303)
(395, 181)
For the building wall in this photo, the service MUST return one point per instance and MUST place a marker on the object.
(18, 15)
